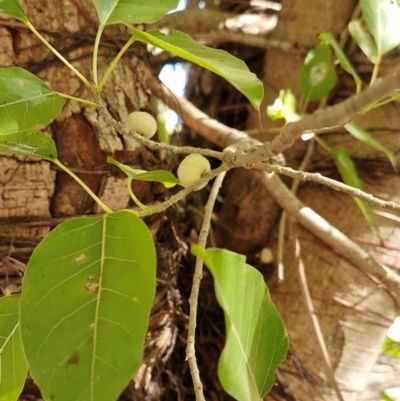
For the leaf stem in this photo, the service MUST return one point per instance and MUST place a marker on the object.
(282, 222)
(78, 99)
(114, 63)
(96, 52)
(83, 185)
(194, 295)
(376, 69)
(55, 52)
(322, 143)
(136, 200)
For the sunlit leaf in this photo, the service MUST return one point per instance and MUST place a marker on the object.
(25, 101)
(318, 76)
(29, 142)
(13, 9)
(256, 340)
(366, 138)
(382, 18)
(284, 107)
(163, 176)
(343, 60)
(218, 61)
(132, 11)
(13, 367)
(364, 40)
(348, 171)
(391, 348)
(385, 397)
(85, 306)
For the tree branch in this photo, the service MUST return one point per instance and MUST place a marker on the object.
(194, 295)
(328, 182)
(338, 114)
(210, 129)
(223, 136)
(322, 229)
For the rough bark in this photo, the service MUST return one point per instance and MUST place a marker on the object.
(35, 196)
(353, 310)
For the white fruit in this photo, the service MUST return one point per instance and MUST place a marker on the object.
(192, 169)
(142, 123)
(266, 256)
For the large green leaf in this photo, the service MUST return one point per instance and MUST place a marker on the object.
(13, 367)
(85, 305)
(163, 176)
(132, 11)
(218, 61)
(256, 340)
(382, 18)
(25, 101)
(29, 142)
(13, 9)
(318, 76)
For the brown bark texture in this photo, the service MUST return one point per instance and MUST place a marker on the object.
(354, 309)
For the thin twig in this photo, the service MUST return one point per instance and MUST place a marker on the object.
(194, 295)
(183, 193)
(119, 127)
(322, 229)
(317, 328)
(282, 222)
(328, 182)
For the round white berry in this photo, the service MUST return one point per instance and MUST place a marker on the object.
(266, 256)
(192, 169)
(142, 123)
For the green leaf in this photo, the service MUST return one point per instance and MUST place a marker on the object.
(218, 61)
(317, 77)
(163, 176)
(29, 142)
(327, 38)
(348, 171)
(364, 40)
(366, 138)
(385, 397)
(391, 347)
(256, 340)
(13, 367)
(132, 11)
(284, 107)
(85, 306)
(382, 18)
(13, 9)
(25, 101)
